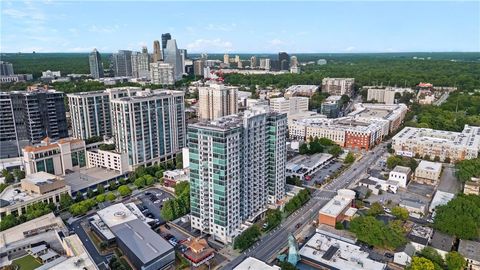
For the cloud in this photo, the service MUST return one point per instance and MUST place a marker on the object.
(103, 29)
(14, 13)
(210, 45)
(350, 48)
(221, 27)
(276, 42)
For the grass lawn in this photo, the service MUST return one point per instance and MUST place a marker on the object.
(27, 263)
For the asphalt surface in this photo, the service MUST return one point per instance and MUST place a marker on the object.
(152, 207)
(272, 243)
(321, 174)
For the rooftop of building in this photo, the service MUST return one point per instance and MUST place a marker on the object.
(331, 252)
(469, 137)
(338, 79)
(301, 88)
(306, 161)
(336, 206)
(149, 95)
(469, 249)
(251, 263)
(116, 214)
(440, 198)
(402, 169)
(83, 178)
(101, 227)
(31, 227)
(420, 234)
(425, 165)
(48, 144)
(442, 241)
(412, 204)
(41, 178)
(146, 244)
(376, 110)
(106, 91)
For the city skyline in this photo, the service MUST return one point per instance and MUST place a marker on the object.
(309, 27)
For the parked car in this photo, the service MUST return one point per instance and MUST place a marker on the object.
(167, 226)
(159, 194)
(298, 225)
(148, 193)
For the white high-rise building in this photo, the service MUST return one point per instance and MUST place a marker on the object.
(237, 167)
(162, 73)
(150, 126)
(338, 86)
(289, 106)
(385, 95)
(265, 63)
(90, 111)
(141, 64)
(216, 101)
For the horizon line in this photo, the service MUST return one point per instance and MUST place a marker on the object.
(360, 52)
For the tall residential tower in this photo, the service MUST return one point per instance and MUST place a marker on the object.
(216, 101)
(95, 61)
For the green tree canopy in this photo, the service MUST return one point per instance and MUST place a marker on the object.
(455, 261)
(460, 217)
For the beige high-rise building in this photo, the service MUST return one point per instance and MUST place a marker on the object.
(216, 101)
(226, 58)
(157, 52)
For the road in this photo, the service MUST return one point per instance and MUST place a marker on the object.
(272, 243)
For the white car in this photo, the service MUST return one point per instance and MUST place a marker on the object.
(165, 199)
(159, 194)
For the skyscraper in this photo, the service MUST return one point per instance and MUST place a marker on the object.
(95, 61)
(199, 67)
(122, 63)
(31, 116)
(141, 64)
(293, 61)
(6, 69)
(90, 111)
(157, 52)
(150, 126)
(172, 57)
(226, 59)
(216, 101)
(183, 57)
(162, 73)
(165, 38)
(237, 166)
(284, 61)
(253, 62)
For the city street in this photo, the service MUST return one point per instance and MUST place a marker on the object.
(272, 243)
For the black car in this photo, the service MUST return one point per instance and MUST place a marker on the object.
(148, 193)
(167, 226)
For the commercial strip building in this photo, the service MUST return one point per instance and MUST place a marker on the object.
(29, 116)
(324, 251)
(303, 166)
(149, 127)
(90, 111)
(237, 167)
(143, 247)
(217, 100)
(338, 208)
(446, 145)
(363, 128)
(338, 86)
(34, 188)
(289, 106)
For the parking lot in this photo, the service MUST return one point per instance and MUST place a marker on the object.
(151, 202)
(321, 174)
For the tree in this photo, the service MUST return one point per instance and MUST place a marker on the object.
(350, 158)
(466, 169)
(455, 261)
(112, 185)
(426, 157)
(273, 219)
(326, 142)
(5, 172)
(375, 233)
(65, 201)
(247, 238)
(303, 150)
(432, 255)
(124, 190)
(286, 266)
(110, 196)
(3, 186)
(9, 178)
(335, 150)
(7, 222)
(294, 180)
(18, 174)
(419, 263)
(139, 182)
(436, 159)
(179, 161)
(100, 198)
(460, 217)
(168, 210)
(400, 213)
(100, 189)
(339, 226)
(393, 161)
(375, 209)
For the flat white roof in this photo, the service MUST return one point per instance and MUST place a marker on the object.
(335, 206)
(328, 251)
(429, 166)
(251, 263)
(440, 198)
(116, 214)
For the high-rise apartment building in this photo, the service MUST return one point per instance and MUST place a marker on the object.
(141, 64)
(226, 59)
(6, 69)
(37, 113)
(95, 61)
(381, 95)
(338, 86)
(237, 167)
(293, 61)
(265, 63)
(157, 52)
(284, 61)
(289, 106)
(90, 111)
(172, 57)
(165, 38)
(216, 101)
(198, 67)
(122, 63)
(150, 126)
(183, 57)
(253, 62)
(162, 73)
